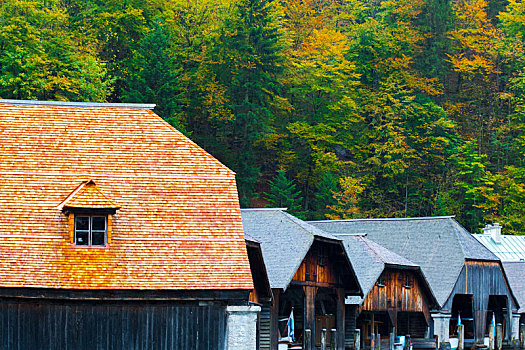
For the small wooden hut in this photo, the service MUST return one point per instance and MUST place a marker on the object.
(309, 272)
(397, 298)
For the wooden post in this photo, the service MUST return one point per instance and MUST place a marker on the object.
(491, 337)
(307, 339)
(333, 339)
(357, 339)
(373, 335)
(461, 337)
(522, 336)
(274, 320)
(340, 325)
(499, 336)
(309, 310)
(323, 339)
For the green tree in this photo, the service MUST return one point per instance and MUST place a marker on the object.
(283, 194)
(156, 75)
(118, 27)
(250, 62)
(42, 58)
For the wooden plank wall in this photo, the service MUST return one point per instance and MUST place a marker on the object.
(481, 279)
(395, 295)
(318, 266)
(110, 325)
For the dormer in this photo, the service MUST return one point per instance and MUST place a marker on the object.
(90, 215)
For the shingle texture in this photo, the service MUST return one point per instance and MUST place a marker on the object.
(178, 226)
(285, 241)
(515, 272)
(88, 196)
(438, 244)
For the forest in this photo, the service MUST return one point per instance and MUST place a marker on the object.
(331, 108)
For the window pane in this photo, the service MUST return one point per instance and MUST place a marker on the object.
(98, 238)
(81, 237)
(99, 223)
(81, 222)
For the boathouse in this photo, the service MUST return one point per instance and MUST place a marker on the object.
(117, 232)
(309, 273)
(467, 279)
(511, 250)
(397, 298)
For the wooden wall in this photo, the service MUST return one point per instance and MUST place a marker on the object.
(110, 325)
(482, 279)
(321, 267)
(395, 295)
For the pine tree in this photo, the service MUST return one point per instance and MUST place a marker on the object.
(250, 53)
(156, 75)
(284, 195)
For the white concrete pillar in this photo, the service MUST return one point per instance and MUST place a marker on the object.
(515, 330)
(441, 326)
(242, 327)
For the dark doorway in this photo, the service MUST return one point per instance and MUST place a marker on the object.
(497, 306)
(462, 308)
(373, 323)
(412, 323)
(293, 298)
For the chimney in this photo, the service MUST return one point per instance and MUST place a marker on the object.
(494, 231)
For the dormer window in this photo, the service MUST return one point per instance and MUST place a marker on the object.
(91, 230)
(90, 216)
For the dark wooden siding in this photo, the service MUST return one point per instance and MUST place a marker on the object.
(110, 325)
(317, 266)
(396, 294)
(481, 279)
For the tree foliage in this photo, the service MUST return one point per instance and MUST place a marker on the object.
(335, 109)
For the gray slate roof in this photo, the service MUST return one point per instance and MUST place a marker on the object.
(439, 245)
(369, 259)
(515, 272)
(285, 241)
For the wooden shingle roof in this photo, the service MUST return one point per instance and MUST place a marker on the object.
(88, 196)
(178, 224)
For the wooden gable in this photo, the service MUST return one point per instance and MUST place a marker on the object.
(399, 290)
(325, 265)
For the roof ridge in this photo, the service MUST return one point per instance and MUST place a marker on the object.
(390, 219)
(266, 209)
(78, 104)
(310, 228)
(72, 194)
(366, 241)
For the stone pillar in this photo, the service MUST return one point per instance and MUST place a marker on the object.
(441, 326)
(515, 330)
(242, 327)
